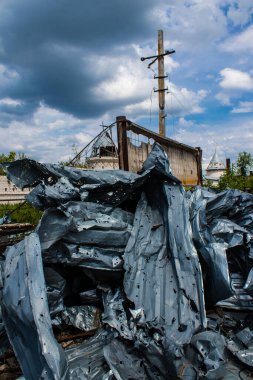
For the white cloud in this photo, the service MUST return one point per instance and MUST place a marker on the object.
(5, 71)
(223, 98)
(194, 28)
(244, 107)
(240, 43)
(132, 84)
(240, 12)
(7, 76)
(127, 77)
(227, 137)
(182, 122)
(236, 80)
(10, 102)
(196, 24)
(50, 135)
(183, 102)
(127, 80)
(141, 109)
(179, 102)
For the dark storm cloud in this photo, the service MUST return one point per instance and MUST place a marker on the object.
(49, 45)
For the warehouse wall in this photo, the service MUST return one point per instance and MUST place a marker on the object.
(183, 162)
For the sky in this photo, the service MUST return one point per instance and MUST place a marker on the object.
(67, 67)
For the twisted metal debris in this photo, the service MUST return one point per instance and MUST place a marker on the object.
(135, 259)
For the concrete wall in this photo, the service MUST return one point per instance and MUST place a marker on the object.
(103, 163)
(9, 193)
(215, 174)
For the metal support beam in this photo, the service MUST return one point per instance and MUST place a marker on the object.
(199, 166)
(122, 142)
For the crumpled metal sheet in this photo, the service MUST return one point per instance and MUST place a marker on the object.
(56, 183)
(233, 204)
(212, 253)
(162, 272)
(107, 186)
(124, 364)
(159, 316)
(4, 342)
(87, 361)
(85, 223)
(248, 286)
(115, 315)
(224, 246)
(55, 285)
(85, 256)
(86, 318)
(160, 362)
(224, 230)
(44, 195)
(26, 314)
(164, 281)
(241, 346)
(206, 353)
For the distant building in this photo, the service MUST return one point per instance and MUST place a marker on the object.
(215, 169)
(9, 193)
(104, 154)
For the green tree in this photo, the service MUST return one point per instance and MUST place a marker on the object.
(10, 157)
(7, 158)
(237, 177)
(243, 163)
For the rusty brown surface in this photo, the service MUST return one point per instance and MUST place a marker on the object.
(165, 141)
(184, 164)
(185, 160)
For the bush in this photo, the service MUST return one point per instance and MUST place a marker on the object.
(24, 214)
(233, 181)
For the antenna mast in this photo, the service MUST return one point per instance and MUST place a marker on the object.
(161, 82)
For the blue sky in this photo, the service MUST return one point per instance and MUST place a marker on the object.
(67, 66)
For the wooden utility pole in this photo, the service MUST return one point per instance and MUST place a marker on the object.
(161, 82)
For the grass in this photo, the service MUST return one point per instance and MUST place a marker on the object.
(24, 214)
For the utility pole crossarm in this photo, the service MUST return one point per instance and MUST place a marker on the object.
(167, 52)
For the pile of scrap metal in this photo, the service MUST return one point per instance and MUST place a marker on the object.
(163, 278)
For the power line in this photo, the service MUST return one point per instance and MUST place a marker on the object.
(179, 101)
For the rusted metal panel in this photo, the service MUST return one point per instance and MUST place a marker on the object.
(184, 159)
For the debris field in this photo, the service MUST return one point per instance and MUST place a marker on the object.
(147, 280)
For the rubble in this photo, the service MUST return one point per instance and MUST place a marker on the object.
(160, 279)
